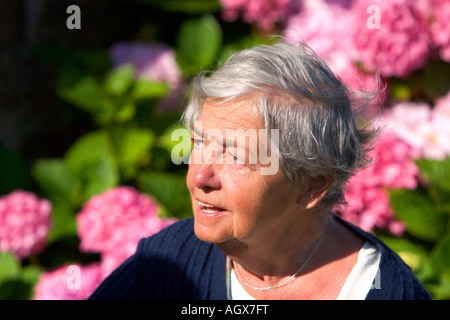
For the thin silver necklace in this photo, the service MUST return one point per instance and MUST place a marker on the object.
(291, 278)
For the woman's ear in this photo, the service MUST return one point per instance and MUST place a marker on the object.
(314, 191)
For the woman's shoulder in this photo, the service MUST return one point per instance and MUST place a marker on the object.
(176, 242)
(395, 279)
(177, 234)
(184, 226)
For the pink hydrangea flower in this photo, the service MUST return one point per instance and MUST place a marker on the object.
(440, 27)
(62, 284)
(400, 45)
(442, 107)
(392, 167)
(410, 121)
(328, 28)
(425, 129)
(24, 223)
(369, 207)
(113, 222)
(114, 217)
(438, 140)
(263, 13)
(154, 62)
(111, 259)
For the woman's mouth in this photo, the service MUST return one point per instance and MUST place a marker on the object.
(209, 209)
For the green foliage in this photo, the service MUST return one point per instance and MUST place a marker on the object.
(198, 44)
(416, 209)
(111, 100)
(91, 158)
(16, 282)
(123, 147)
(437, 174)
(426, 213)
(170, 190)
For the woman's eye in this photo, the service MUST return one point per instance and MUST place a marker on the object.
(236, 159)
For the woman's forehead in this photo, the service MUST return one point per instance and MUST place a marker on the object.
(231, 115)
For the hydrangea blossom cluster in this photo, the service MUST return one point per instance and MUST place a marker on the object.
(343, 31)
(56, 284)
(264, 13)
(440, 28)
(113, 222)
(331, 41)
(340, 32)
(392, 167)
(411, 131)
(24, 223)
(400, 45)
(425, 129)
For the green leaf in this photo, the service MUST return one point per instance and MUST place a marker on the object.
(438, 175)
(15, 289)
(198, 44)
(133, 146)
(92, 160)
(419, 213)
(183, 142)
(10, 267)
(440, 291)
(119, 80)
(63, 222)
(441, 253)
(55, 179)
(144, 89)
(16, 282)
(169, 190)
(413, 255)
(31, 273)
(85, 92)
(125, 112)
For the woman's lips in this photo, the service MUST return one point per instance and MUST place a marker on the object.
(209, 209)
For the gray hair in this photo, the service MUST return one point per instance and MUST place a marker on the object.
(318, 116)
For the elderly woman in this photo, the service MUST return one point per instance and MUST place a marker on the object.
(268, 234)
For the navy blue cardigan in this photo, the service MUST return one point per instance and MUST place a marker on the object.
(175, 265)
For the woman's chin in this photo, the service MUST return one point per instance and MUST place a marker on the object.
(212, 229)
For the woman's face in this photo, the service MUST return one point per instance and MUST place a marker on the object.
(231, 199)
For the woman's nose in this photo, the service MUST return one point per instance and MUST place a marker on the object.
(205, 177)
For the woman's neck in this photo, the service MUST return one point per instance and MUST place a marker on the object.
(280, 252)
